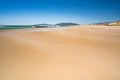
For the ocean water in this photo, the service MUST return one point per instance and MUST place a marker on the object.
(13, 27)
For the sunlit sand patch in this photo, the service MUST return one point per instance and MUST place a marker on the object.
(75, 53)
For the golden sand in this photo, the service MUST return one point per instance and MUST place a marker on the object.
(76, 53)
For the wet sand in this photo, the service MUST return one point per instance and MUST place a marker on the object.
(75, 53)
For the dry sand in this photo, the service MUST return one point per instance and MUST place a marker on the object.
(75, 53)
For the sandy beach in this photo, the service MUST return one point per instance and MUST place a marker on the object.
(73, 53)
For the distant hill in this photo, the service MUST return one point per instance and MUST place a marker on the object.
(103, 23)
(67, 24)
(54, 25)
(116, 23)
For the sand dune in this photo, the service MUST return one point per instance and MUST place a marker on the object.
(75, 53)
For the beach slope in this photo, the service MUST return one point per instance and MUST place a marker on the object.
(75, 53)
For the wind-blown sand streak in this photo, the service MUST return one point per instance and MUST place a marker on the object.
(75, 53)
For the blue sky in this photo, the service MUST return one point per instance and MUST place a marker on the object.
(54, 11)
